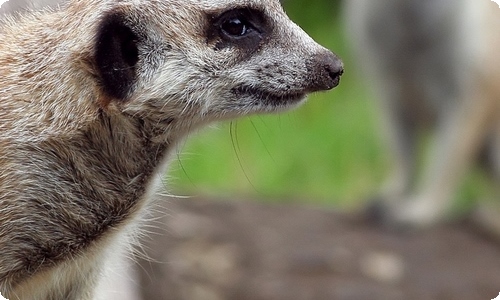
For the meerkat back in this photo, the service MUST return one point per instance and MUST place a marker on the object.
(93, 98)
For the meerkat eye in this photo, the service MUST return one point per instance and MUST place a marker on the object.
(236, 27)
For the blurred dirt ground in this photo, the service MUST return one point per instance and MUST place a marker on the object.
(244, 250)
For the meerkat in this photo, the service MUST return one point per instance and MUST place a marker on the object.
(93, 98)
(432, 64)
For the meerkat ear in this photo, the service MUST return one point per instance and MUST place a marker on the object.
(116, 55)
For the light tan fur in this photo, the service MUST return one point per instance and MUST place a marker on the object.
(430, 62)
(81, 149)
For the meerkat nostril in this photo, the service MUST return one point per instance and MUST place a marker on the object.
(334, 68)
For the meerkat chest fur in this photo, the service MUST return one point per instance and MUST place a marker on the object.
(93, 97)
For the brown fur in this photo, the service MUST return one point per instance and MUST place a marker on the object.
(79, 155)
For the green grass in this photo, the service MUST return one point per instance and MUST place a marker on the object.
(327, 151)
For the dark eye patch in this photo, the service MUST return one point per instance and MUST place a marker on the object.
(244, 28)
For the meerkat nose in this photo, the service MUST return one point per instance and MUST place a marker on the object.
(327, 70)
(335, 68)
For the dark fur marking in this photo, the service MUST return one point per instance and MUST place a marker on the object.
(257, 24)
(116, 56)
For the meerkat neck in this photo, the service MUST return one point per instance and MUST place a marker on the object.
(89, 185)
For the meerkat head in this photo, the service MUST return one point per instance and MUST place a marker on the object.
(208, 59)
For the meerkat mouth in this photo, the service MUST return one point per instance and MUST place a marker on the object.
(269, 98)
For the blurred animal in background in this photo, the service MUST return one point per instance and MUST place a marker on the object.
(435, 67)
